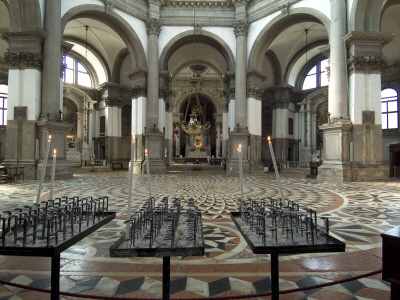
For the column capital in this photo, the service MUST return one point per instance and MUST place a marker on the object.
(254, 92)
(24, 60)
(153, 26)
(240, 27)
(367, 64)
(139, 91)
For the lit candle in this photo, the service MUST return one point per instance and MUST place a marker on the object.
(43, 169)
(53, 172)
(239, 149)
(148, 170)
(276, 169)
(128, 215)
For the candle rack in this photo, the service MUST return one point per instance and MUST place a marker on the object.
(271, 227)
(50, 227)
(163, 229)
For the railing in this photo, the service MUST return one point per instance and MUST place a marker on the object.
(94, 163)
(295, 164)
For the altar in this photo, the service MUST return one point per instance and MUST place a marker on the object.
(196, 148)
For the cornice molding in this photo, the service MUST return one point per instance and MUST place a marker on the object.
(375, 38)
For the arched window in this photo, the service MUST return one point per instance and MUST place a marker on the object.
(3, 104)
(75, 72)
(317, 76)
(390, 109)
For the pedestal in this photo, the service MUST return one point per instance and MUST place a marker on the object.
(336, 165)
(156, 150)
(238, 137)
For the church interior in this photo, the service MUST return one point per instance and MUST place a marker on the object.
(218, 100)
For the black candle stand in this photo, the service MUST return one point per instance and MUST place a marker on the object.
(49, 228)
(157, 230)
(269, 227)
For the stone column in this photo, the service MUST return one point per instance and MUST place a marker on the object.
(154, 137)
(50, 118)
(52, 64)
(241, 30)
(365, 63)
(338, 100)
(337, 132)
(218, 141)
(138, 103)
(240, 134)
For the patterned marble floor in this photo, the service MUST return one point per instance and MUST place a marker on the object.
(359, 213)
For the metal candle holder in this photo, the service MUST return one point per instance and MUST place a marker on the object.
(272, 227)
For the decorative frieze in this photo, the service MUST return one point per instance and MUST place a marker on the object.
(153, 26)
(240, 27)
(24, 60)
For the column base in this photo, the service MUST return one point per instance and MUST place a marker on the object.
(352, 172)
(370, 172)
(335, 171)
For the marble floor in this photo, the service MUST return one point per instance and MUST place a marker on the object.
(358, 214)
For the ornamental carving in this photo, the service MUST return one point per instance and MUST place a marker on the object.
(366, 63)
(23, 60)
(139, 91)
(241, 27)
(368, 117)
(254, 92)
(153, 26)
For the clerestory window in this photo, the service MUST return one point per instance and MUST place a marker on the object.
(317, 75)
(390, 109)
(75, 72)
(3, 104)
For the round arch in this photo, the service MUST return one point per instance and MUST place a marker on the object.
(113, 20)
(187, 38)
(366, 15)
(206, 94)
(277, 25)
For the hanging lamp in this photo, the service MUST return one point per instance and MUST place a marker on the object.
(195, 125)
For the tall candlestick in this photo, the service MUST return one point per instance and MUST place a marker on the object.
(53, 172)
(128, 215)
(43, 169)
(239, 149)
(276, 169)
(148, 170)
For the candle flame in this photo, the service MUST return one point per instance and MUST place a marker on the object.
(133, 139)
(49, 138)
(55, 151)
(145, 152)
(239, 148)
(269, 139)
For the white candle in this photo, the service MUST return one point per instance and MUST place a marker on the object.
(148, 170)
(276, 169)
(239, 149)
(43, 169)
(53, 172)
(128, 215)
